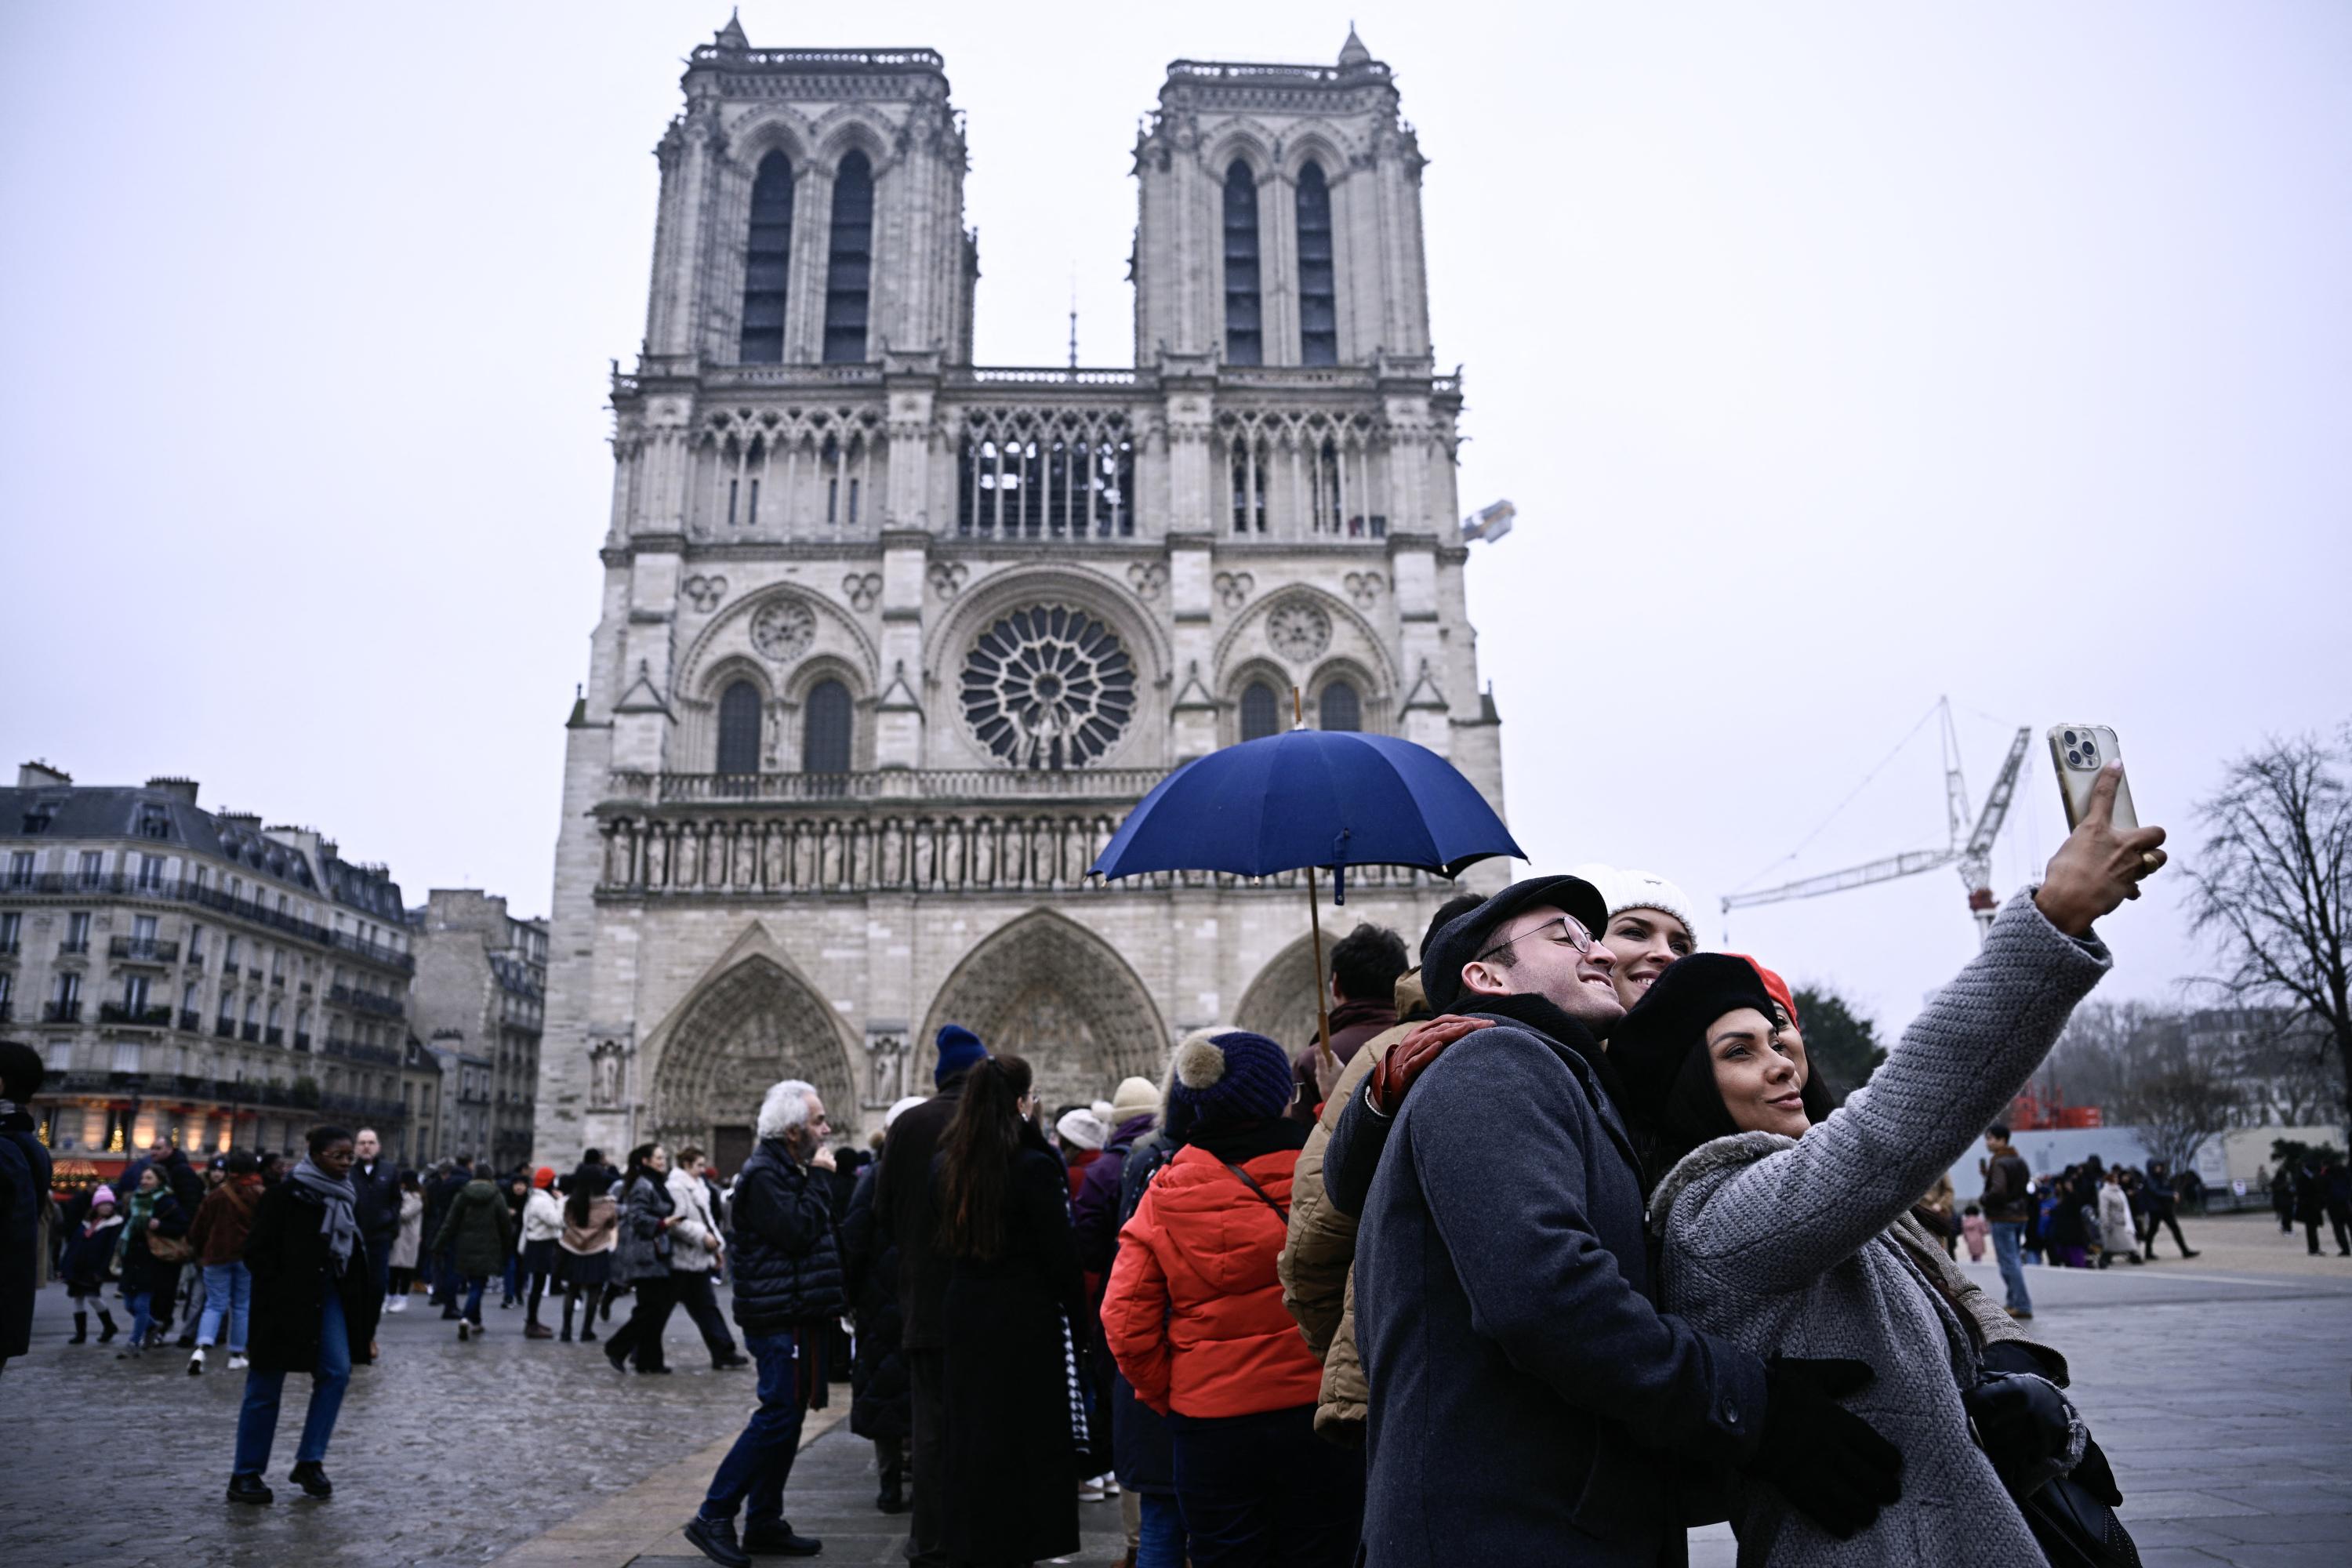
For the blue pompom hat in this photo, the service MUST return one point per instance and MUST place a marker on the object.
(1226, 1079)
(959, 1049)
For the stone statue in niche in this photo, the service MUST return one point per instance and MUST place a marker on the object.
(605, 1076)
(886, 1068)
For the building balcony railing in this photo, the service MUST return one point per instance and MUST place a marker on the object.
(273, 1035)
(143, 949)
(928, 784)
(279, 981)
(250, 1034)
(185, 890)
(365, 1001)
(146, 1017)
(226, 1028)
(61, 1012)
(74, 947)
(351, 1051)
(196, 960)
(189, 1022)
(9, 947)
(7, 1011)
(301, 1042)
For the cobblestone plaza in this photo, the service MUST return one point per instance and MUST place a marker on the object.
(2218, 1387)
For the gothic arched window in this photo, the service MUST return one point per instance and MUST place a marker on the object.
(1260, 715)
(1319, 306)
(849, 262)
(824, 731)
(1244, 341)
(739, 728)
(766, 256)
(1339, 708)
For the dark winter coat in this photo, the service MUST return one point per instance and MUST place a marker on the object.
(1013, 1463)
(377, 1208)
(438, 1199)
(187, 1184)
(786, 1266)
(642, 1252)
(1143, 1451)
(1530, 1403)
(477, 1230)
(90, 1258)
(881, 1400)
(903, 1209)
(292, 1272)
(25, 1172)
(1093, 1211)
(2007, 1197)
(142, 1270)
(1352, 1024)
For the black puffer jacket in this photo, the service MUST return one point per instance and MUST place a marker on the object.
(787, 1266)
(882, 1401)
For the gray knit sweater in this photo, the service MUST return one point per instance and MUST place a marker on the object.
(1784, 1246)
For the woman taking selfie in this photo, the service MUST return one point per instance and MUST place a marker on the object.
(1014, 1442)
(1775, 1214)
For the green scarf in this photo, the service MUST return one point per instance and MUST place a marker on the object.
(143, 1209)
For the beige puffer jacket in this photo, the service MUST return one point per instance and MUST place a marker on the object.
(1317, 1262)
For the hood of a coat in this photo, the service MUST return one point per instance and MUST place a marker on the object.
(479, 1190)
(1719, 1154)
(1222, 1231)
(1412, 1002)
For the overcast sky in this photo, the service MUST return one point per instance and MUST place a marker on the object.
(1836, 357)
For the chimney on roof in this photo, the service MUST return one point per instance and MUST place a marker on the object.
(178, 789)
(248, 820)
(40, 775)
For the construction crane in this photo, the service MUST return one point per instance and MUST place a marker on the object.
(1970, 846)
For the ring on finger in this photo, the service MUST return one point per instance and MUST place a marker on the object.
(2150, 860)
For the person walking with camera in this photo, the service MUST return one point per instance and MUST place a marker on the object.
(788, 1287)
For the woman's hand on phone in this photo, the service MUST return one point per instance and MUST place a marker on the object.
(2098, 868)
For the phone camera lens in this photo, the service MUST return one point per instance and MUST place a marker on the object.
(2090, 755)
(2076, 758)
(2071, 737)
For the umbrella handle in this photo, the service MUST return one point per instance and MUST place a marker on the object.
(1322, 991)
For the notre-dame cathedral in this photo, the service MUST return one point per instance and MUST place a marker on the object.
(890, 641)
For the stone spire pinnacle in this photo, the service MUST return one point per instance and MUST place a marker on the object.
(1353, 52)
(731, 36)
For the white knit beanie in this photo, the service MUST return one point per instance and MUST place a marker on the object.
(1622, 890)
(1082, 1128)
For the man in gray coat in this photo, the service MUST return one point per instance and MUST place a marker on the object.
(1528, 1401)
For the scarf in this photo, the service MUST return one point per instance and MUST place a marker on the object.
(1545, 1016)
(335, 1194)
(143, 1209)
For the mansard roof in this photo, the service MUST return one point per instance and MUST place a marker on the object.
(158, 813)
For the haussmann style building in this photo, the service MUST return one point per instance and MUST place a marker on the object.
(889, 642)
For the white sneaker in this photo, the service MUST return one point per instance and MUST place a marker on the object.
(1110, 1484)
(1090, 1490)
(400, 1303)
(236, 1363)
(196, 1363)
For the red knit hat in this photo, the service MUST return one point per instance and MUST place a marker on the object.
(543, 1177)
(1776, 987)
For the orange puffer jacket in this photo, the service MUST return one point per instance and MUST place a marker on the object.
(1194, 1312)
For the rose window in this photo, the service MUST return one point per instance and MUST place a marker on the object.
(1048, 687)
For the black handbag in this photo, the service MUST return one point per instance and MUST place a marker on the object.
(2075, 1528)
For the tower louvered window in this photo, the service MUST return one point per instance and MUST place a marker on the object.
(1245, 341)
(738, 729)
(849, 264)
(767, 257)
(1260, 715)
(1319, 307)
(1339, 708)
(824, 735)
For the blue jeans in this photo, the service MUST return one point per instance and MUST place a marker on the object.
(143, 1320)
(228, 1292)
(509, 1281)
(759, 1463)
(257, 1424)
(1162, 1543)
(472, 1310)
(2008, 1236)
(1262, 1489)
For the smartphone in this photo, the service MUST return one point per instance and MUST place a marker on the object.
(2078, 751)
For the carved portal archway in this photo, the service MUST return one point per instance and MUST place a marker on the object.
(738, 1034)
(1049, 991)
(1280, 1002)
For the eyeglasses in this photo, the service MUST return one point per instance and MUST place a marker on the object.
(1566, 929)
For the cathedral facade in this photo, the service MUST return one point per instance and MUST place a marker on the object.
(890, 642)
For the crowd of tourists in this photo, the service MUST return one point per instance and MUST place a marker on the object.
(1560, 1246)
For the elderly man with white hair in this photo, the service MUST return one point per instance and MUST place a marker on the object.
(787, 1287)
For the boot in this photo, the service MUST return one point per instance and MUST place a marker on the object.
(311, 1476)
(892, 1499)
(249, 1489)
(107, 1329)
(535, 1330)
(81, 1330)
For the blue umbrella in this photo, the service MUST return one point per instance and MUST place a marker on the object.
(1307, 799)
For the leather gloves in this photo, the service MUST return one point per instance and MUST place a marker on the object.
(1827, 1461)
(1409, 1057)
